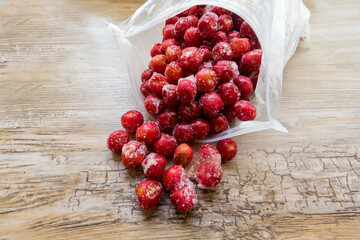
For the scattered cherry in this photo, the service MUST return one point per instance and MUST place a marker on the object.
(148, 133)
(154, 165)
(183, 154)
(165, 145)
(174, 178)
(131, 120)
(184, 198)
(133, 153)
(227, 148)
(209, 175)
(149, 193)
(117, 140)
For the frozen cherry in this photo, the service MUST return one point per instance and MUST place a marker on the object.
(146, 75)
(208, 24)
(169, 95)
(186, 90)
(181, 26)
(240, 46)
(226, 71)
(149, 193)
(209, 64)
(245, 85)
(233, 34)
(227, 148)
(117, 140)
(174, 178)
(190, 58)
(209, 153)
(154, 105)
(158, 63)
(225, 23)
(145, 88)
(218, 37)
(168, 120)
(184, 199)
(251, 61)
(189, 11)
(206, 80)
(245, 110)
(172, 20)
(189, 111)
(154, 165)
(200, 10)
(192, 37)
(183, 154)
(200, 128)
(209, 175)
(193, 20)
(173, 72)
(168, 43)
(148, 133)
(230, 113)
(247, 32)
(229, 93)
(205, 53)
(156, 49)
(173, 53)
(157, 82)
(218, 123)
(218, 10)
(133, 153)
(211, 103)
(165, 145)
(169, 31)
(131, 120)
(183, 133)
(222, 51)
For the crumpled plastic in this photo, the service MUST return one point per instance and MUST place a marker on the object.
(278, 24)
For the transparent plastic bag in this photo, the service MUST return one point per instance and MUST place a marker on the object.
(278, 24)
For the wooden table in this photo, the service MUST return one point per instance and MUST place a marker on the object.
(63, 88)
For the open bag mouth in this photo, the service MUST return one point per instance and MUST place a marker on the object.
(277, 24)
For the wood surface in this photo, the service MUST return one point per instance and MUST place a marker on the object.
(63, 88)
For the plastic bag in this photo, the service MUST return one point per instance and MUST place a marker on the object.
(278, 24)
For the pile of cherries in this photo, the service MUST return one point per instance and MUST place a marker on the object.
(194, 88)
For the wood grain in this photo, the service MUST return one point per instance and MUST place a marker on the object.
(63, 88)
